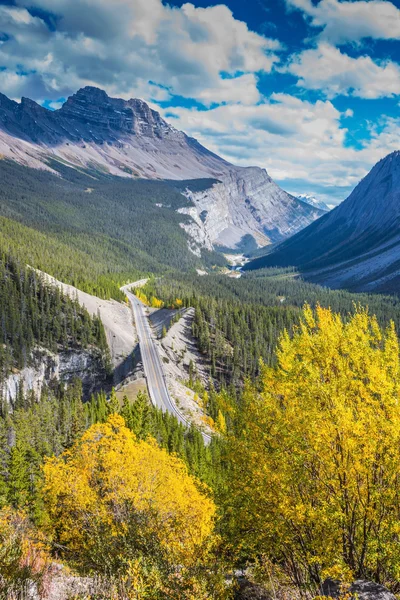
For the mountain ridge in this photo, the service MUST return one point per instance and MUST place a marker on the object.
(357, 244)
(127, 138)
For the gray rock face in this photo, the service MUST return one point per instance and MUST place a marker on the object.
(127, 138)
(65, 367)
(360, 590)
(357, 244)
(248, 201)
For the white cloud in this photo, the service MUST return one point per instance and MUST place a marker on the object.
(130, 47)
(242, 89)
(344, 21)
(326, 68)
(295, 140)
(285, 135)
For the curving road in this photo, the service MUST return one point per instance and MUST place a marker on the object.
(152, 365)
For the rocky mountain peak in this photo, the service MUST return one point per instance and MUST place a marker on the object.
(376, 199)
(27, 103)
(94, 94)
(357, 244)
(313, 201)
(93, 106)
(90, 115)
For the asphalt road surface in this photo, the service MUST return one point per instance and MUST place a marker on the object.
(152, 365)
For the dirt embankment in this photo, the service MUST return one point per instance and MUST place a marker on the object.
(177, 350)
(116, 318)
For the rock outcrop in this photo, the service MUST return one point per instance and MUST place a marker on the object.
(86, 365)
(127, 138)
(248, 201)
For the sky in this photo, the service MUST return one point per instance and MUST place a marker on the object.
(308, 89)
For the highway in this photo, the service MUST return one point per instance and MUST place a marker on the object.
(152, 365)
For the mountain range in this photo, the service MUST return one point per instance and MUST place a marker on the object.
(95, 138)
(126, 138)
(356, 245)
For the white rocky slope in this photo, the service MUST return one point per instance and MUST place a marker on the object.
(67, 365)
(248, 201)
(116, 318)
(127, 138)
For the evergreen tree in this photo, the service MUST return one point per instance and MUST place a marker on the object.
(113, 404)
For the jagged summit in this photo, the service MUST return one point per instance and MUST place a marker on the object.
(128, 138)
(89, 115)
(356, 245)
(93, 106)
(313, 201)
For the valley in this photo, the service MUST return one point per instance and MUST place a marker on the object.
(198, 371)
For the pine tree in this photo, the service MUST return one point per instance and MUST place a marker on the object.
(19, 479)
(113, 403)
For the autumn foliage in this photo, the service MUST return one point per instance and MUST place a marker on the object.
(315, 466)
(128, 508)
(24, 555)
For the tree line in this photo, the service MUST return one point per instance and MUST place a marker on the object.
(36, 315)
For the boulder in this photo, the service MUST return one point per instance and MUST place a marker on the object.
(360, 590)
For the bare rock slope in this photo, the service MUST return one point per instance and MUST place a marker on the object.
(127, 138)
(177, 350)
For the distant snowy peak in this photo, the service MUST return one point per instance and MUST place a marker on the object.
(313, 201)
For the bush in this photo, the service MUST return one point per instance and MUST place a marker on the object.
(24, 558)
(128, 509)
(315, 468)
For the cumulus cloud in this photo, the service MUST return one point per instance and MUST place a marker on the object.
(346, 21)
(326, 68)
(295, 139)
(134, 48)
(242, 89)
(285, 134)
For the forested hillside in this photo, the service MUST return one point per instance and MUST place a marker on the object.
(238, 321)
(34, 315)
(71, 472)
(92, 230)
(48, 425)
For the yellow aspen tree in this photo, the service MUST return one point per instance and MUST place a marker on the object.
(315, 469)
(114, 502)
(220, 423)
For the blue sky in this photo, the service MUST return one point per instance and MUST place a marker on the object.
(308, 89)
